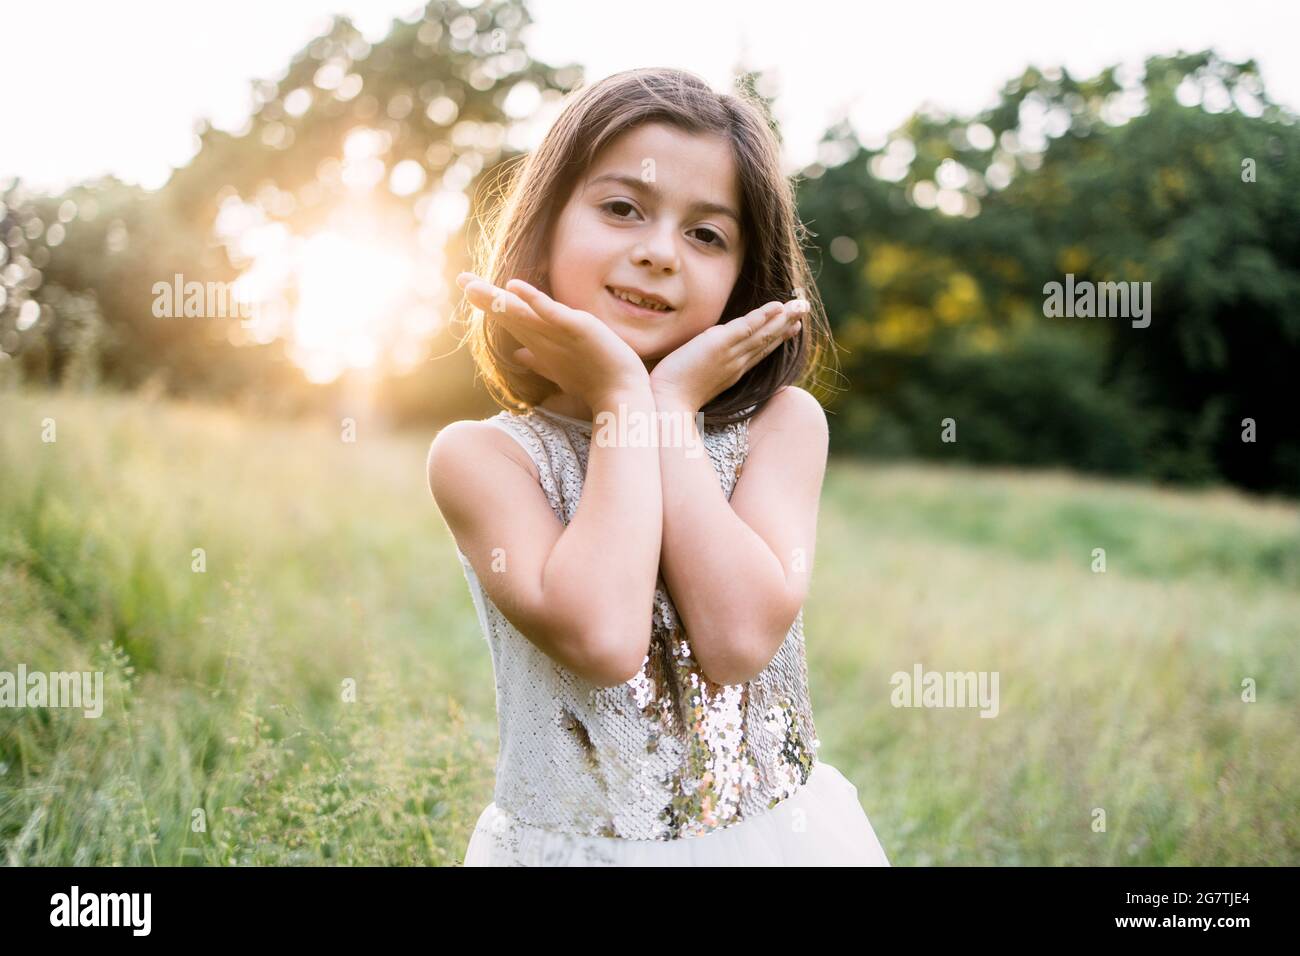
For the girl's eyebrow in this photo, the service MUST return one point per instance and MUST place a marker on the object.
(636, 184)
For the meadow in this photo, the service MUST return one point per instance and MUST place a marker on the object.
(319, 693)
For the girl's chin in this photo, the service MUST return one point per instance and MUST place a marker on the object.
(650, 348)
(651, 356)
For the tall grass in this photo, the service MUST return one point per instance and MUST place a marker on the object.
(227, 737)
(1120, 691)
(230, 737)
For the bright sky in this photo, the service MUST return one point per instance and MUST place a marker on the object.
(97, 87)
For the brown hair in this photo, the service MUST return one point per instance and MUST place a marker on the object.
(774, 265)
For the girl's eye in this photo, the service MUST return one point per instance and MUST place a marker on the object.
(617, 202)
(716, 239)
(710, 232)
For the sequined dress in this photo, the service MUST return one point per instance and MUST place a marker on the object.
(668, 768)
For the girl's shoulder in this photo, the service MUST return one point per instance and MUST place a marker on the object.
(472, 448)
(791, 415)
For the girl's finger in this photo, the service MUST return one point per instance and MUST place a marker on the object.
(540, 302)
(503, 305)
(762, 327)
(489, 298)
(747, 327)
(782, 325)
(798, 309)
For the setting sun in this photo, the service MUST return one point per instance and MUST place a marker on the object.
(347, 293)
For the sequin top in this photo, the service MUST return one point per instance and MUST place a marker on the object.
(668, 754)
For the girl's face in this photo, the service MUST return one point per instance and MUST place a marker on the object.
(657, 213)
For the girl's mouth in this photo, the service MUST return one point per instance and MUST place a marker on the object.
(640, 311)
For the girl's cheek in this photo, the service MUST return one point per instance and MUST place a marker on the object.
(589, 245)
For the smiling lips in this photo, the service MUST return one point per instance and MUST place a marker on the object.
(640, 301)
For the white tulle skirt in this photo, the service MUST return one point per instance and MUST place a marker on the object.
(822, 824)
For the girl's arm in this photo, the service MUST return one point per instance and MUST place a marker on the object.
(584, 594)
(739, 571)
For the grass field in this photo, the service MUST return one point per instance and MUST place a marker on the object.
(226, 738)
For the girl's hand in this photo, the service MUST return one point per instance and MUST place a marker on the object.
(715, 359)
(572, 348)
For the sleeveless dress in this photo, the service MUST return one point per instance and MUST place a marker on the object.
(669, 768)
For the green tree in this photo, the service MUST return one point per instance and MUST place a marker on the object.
(1112, 178)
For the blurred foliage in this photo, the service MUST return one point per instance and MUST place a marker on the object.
(932, 249)
(432, 93)
(1133, 179)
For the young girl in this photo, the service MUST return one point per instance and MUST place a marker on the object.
(643, 600)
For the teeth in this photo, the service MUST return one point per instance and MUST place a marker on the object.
(637, 300)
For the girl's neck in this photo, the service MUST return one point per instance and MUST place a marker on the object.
(564, 404)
